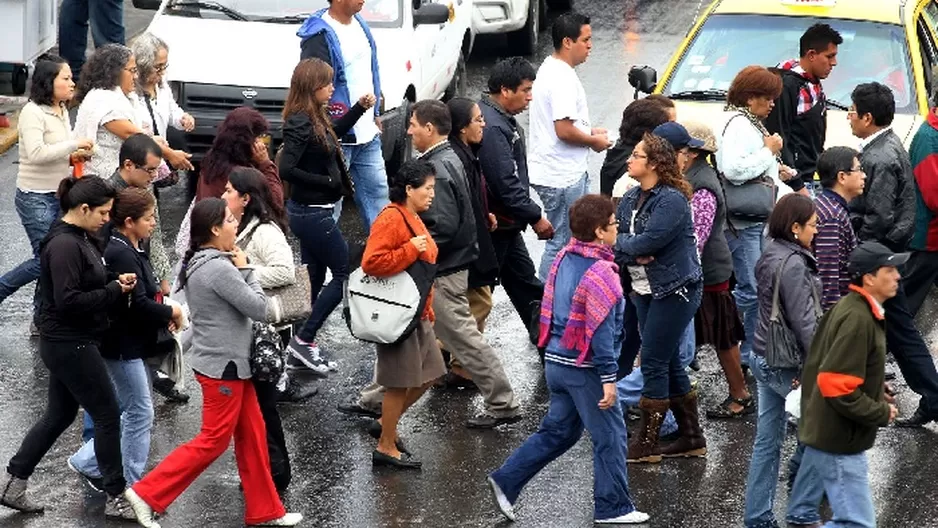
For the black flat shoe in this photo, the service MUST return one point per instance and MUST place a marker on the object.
(724, 412)
(296, 393)
(374, 430)
(487, 421)
(918, 419)
(352, 407)
(167, 389)
(405, 462)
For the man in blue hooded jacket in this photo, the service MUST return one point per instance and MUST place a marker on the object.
(340, 36)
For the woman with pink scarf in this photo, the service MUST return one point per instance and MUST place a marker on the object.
(581, 327)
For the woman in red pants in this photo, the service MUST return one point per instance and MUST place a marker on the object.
(224, 297)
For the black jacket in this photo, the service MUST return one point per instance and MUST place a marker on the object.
(885, 212)
(315, 169)
(450, 218)
(614, 166)
(504, 163)
(134, 325)
(803, 135)
(76, 290)
(716, 259)
(484, 271)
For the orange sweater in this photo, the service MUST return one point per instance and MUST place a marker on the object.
(389, 251)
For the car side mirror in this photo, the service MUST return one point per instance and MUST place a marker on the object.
(643, 78)
(152, 5)
(431, 14)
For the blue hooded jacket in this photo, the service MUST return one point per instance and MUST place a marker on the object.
(341, 100)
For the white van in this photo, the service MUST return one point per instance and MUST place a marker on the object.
(230, 53)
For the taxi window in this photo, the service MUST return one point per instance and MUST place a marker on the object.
(378, 13)
(931, 15)
(728, 43)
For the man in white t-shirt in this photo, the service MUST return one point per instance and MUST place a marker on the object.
(339, 36)
(560, 131)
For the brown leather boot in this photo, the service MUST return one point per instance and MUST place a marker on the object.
(644, 444)
(691, 442)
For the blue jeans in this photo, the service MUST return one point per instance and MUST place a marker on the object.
(557, 202)
(321, 246)
(746, 249)
(574, 394)
(662, 365)
(847, 485)
(774, 385)
(37, 211)
(132, 386)
(366, 167)
(107, 27)
(630, 387)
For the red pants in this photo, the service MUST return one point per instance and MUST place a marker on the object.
(229, 409)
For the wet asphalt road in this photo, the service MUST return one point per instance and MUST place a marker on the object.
(334, 484)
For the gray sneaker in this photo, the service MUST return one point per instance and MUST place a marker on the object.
(14, 496)
(119, 508)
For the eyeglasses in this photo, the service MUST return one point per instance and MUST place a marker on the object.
(637, 156)
(850, 171)
(160, 68)
(613, 224)
(151, 170)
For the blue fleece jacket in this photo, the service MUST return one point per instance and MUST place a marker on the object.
(341, 100)
(607, 340)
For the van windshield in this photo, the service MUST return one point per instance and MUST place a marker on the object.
(378, 13)
(727, 43)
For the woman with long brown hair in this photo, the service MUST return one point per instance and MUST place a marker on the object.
(312, 162)
(656, 244)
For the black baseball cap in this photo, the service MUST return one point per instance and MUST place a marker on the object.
(677, 135)
(870, 256)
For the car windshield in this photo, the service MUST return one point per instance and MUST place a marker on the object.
(378, 13)
(728, 43)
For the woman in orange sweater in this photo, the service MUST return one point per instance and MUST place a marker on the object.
(398, 241)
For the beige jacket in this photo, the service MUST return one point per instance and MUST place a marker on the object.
(269, 254)
(46, 142)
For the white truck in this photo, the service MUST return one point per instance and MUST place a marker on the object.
(229, 53)
(522, 20)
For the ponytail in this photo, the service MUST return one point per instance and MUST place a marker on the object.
(206, 214)
(181, 279)
(90, 190)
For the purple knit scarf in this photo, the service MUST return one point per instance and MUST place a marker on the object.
(597, 293)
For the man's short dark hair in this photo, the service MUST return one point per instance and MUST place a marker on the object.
(568, 25)
(510, 73)
(136, 148)
(434, 112)
(877, 100)
(818, 38)
(832, 161)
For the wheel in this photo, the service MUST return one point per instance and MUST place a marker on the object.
(395, 143)
(20, 76)
(561, 5)
(542, 6)
(459, 85)
(524, 41)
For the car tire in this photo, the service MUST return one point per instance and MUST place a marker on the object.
(395, 143)
(542, 5)
(560, 5)
(458, 86)
(524, 41)
(19, 79)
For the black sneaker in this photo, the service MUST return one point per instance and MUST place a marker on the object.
(95, 483)
(307, 356)
(487, 421)
(166, 388)
(353, 407)
(297, 392)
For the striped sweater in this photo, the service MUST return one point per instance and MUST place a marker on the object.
(833, 243)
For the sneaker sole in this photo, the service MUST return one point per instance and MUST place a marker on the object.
(84, 478)
(493, 486)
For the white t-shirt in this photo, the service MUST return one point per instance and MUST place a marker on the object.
(558, 94)
(356, 52)
(98, 108)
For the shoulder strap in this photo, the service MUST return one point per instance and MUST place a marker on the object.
(247, 238)
(146, 98)
(409, 228)
(730, 120)
(778, 282)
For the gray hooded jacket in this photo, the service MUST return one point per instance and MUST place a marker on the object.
(223, 301)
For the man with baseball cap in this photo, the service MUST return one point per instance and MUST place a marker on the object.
(843, 401)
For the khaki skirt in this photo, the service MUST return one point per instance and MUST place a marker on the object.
(411, 363)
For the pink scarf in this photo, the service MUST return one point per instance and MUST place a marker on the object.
(597, 293)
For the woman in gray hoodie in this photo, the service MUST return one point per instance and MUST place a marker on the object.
(224, 297)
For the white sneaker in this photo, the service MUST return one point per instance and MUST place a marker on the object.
(503, 503)
(142, 510)
(635, 517)
(290, 519)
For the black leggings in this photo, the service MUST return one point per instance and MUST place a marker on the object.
(267, 396)
(77, 376)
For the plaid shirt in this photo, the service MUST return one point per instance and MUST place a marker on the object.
(811, 93)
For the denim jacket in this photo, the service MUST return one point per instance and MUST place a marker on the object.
(664, 229)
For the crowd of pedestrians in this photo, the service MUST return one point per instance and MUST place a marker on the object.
(704, 237)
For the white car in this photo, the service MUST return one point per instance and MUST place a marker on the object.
(230, 53)
(522, 20)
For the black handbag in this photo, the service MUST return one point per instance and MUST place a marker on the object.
(268, 356)
(782, 350)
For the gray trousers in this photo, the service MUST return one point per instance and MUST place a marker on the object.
(458, 330)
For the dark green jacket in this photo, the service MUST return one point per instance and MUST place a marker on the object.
(842, 400)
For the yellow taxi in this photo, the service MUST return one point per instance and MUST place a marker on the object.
(889, 41)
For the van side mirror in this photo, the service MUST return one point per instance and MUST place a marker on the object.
(152, 5)
(643, 78)
(432, 13)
